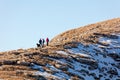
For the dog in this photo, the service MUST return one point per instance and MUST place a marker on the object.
(38, 45)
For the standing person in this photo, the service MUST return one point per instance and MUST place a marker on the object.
(47, 41)
(43, 41)
(40, 42)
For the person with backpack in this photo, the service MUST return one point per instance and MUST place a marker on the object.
(43, 41)
(47, 41)
(40, 42)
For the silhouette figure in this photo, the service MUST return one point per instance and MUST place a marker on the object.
(40, 42)
(43, 41)
(38, 45)
(47, 41)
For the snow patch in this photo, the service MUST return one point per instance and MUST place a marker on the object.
(62, 52)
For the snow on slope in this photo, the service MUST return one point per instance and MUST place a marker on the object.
(100, 54)
(99, 61)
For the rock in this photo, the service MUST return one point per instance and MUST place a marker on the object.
(87, 61)
(74, 78)
(97, 78)
(118, 65)
(103, 69)
(84, 56)
(103, 43)
(64, 68)
(57, 65)
(114, 56)
(107, 35)
(37, 77)
(16, 53)
(113, 36)
(93, 74)
(93, 67)
(40, 78)
(9, 62)
(98, 34)
(89, 40)
(113, 72)
(70, 45)
(23, 63)
(84, 71)
(110, 76)
(31, 54)
(77, 78)
(100, 75)
(67, 47)
(19, 73)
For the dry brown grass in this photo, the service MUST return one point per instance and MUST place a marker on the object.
(16, 75)
(86, 34)
(15, 65)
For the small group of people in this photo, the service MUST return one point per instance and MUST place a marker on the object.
(42, 42)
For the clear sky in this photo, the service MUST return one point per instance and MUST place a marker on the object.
(23, 22)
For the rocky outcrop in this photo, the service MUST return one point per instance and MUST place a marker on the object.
(115, 56)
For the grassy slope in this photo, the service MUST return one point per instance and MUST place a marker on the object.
(85, 33)
(15, 65)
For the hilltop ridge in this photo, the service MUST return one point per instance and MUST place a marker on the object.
(86, 33)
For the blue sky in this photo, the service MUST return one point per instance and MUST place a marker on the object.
(23, 22)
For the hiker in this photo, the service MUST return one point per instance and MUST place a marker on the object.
(43, 41)
(47, 41)
(40, 42)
